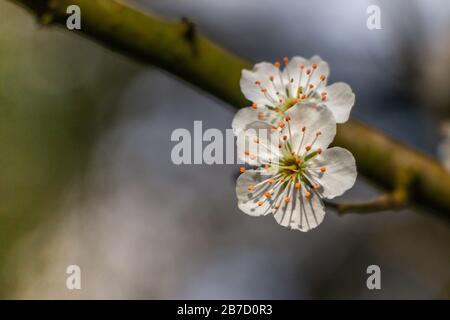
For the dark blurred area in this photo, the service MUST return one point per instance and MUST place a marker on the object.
(87, 177)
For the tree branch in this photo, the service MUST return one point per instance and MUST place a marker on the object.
(166, 45)
(396, 199)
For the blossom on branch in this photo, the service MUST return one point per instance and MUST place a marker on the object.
(295, 169)
(273, 91)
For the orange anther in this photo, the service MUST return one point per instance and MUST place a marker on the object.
(242, 169)
(297, 185)
(276, 64)
(308, 195)
(285, 59)
(314, 66)
(322, 77)
(250, 188)
(267, 194)
(323, 169)
(307, 148)
(254, 106)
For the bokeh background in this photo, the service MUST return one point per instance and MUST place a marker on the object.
(86, 176)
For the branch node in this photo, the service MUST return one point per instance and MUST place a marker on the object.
(189, 31)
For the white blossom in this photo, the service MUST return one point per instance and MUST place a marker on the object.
(293, 173)
(274, 91)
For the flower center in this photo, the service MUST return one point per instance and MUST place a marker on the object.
(311, 97)
(289, 103)
(292, 169)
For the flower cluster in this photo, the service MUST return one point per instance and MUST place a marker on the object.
(293, 167)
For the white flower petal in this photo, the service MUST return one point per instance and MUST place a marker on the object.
(340, 100)
(245, 116)
(256, 145)
(316, 120)
(301, 213)
(262, 72)
(340, 174)
(248, 200)
(322, 69)
(291, 74)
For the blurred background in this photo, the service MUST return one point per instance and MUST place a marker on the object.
(86, 175)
